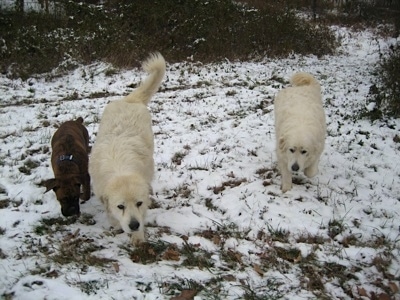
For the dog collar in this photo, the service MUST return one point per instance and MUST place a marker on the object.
(66, 158)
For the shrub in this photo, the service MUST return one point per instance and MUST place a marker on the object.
(386, 90)
(124, 32)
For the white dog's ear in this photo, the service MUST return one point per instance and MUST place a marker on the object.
(150, 190)
(281, 143)
(104, 200)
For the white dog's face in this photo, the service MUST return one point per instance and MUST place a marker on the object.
(129, 213)
(297, 158)
(298, 154)
(127, 203)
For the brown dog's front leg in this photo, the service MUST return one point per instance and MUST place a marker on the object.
(86, 187)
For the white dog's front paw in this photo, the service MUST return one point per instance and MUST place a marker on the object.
(286, 187)
(137, 238)
(286, 181)
(311, 171)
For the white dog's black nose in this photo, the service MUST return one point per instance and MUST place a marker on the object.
(134, 225)
(295, 167)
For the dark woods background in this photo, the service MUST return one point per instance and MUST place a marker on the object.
(40, 36)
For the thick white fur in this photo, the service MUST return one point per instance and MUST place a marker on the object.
(121, 163)
(300, 128)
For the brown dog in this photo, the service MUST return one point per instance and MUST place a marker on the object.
(70, 145)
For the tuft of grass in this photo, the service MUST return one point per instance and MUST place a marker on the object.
(79, 250)
(92, 286)
(312, 278)
(335, 227)
(184, 289)
(52, 225)
(311, 239)
(196, 256)
(28, 166)
(178, 157)
(268, 291)
(183, 191)
(267, 174)
(232, 259)
(5, 203)
(396, 139)
(229, 183)
(278, 234)
(292, 254)
(97, 95)
(209, 204)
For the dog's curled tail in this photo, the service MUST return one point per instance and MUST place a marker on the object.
(155, 66)
(302, 78)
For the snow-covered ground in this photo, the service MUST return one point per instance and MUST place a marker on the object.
(216, 189)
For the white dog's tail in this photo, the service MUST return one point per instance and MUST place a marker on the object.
(302, 78)
(155, 66)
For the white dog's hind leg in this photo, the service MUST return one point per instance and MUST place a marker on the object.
(137, 237)
(312, 170)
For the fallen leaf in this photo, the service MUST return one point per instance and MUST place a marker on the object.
(216, 240)
(229, 277)
(235, 256)
(116, 267)
(185, 295)
(257, 268)
(393, 287)
(362, 292)
(384, 296)
(52, 274)
(171, 254)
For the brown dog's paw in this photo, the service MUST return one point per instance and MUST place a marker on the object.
(84, 197)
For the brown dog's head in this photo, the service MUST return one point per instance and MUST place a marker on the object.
(67, 191)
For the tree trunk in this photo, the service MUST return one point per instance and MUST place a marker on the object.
(314, 9)
(20, 5)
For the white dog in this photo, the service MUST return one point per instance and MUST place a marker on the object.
(300, 128)
(121, 163)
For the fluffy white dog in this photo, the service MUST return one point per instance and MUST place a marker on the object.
(300, 128)
(121, 163)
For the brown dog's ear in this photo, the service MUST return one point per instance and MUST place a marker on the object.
(281, 143)
(50, 184)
